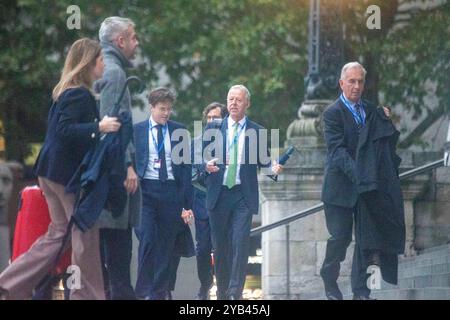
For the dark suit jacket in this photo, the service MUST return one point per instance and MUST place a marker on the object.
(181, 172)
(248, 171)
(72, 130)
(341, 137)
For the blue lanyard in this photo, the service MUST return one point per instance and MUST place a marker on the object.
(159, 147)
(236, 138)
(359, 119)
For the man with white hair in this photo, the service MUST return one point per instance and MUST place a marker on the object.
(119, 42)
(343, 122)
(232, 191)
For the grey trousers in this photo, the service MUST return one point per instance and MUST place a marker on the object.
(22, 276)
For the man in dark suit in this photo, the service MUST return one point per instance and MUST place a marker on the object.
(343, 121)
(232, 191)
(166, 195)
(213, 112)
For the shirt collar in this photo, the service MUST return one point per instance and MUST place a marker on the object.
(153, 123)
(231, 122)
(351, 103)
(110, 49)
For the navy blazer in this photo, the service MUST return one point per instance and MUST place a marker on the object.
(248, 172)
(72, 130)
(181, 172)
(341, 137)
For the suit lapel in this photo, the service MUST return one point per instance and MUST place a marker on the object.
(142, 146)
(171, 129)
(146, 141)
(223, 130)
(349, 116)
(248, 126)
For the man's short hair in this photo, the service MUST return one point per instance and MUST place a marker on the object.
(352, 65)
(212, 106)
(112, 27)
(160, 94)
(243, 88)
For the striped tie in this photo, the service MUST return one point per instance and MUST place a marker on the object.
(232, 166)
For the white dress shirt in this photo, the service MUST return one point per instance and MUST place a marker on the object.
(241, 141)
(152, 173)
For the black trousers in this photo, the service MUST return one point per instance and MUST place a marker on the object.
(204, 242)
(339, 222)
(116, 252)
(160, 225)
(230, 229)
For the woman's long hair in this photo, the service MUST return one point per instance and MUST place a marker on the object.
(80, 59)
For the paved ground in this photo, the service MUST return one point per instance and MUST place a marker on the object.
(187, 282)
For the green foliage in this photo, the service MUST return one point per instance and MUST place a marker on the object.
(199, 48)
(416, 61)
(34, 40)
(206, 46)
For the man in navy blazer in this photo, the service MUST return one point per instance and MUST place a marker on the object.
(343, 121)
(166, 195)
(232, 190)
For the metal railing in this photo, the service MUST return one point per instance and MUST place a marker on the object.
(319, 207)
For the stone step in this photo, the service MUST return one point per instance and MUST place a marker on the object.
(417, 282)
(426, 255)
(400, 294)
(436, 268)
(434, 249)
(413, 294)
(426, 281)
(440, 280)
(422, 261)
(424, 276)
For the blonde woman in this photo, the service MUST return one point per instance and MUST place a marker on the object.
(73, 127)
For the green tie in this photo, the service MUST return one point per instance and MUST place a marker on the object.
(232, 166)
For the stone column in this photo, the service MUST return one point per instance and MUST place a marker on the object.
(298, 188)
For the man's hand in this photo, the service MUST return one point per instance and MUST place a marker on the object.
(109, 124)
(187, 216)
(447, 153)
(131, 183)
(211, 166)
(387, 111)
(277, 168)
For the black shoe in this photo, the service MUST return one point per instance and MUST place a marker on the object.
(201, 295)
(3, 294)
(168, 295)
(333, 295)
(233, 297)
(332, 291)
(357, 297)
(222, 296)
